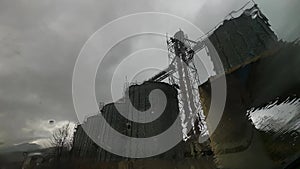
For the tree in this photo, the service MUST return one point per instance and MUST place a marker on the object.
(62, 140)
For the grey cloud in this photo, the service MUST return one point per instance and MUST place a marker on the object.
(40, 41)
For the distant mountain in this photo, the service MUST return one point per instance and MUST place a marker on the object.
(24, 147)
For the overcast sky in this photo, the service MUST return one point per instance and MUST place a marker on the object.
(40, 41)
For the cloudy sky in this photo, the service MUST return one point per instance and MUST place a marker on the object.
(40, 41)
